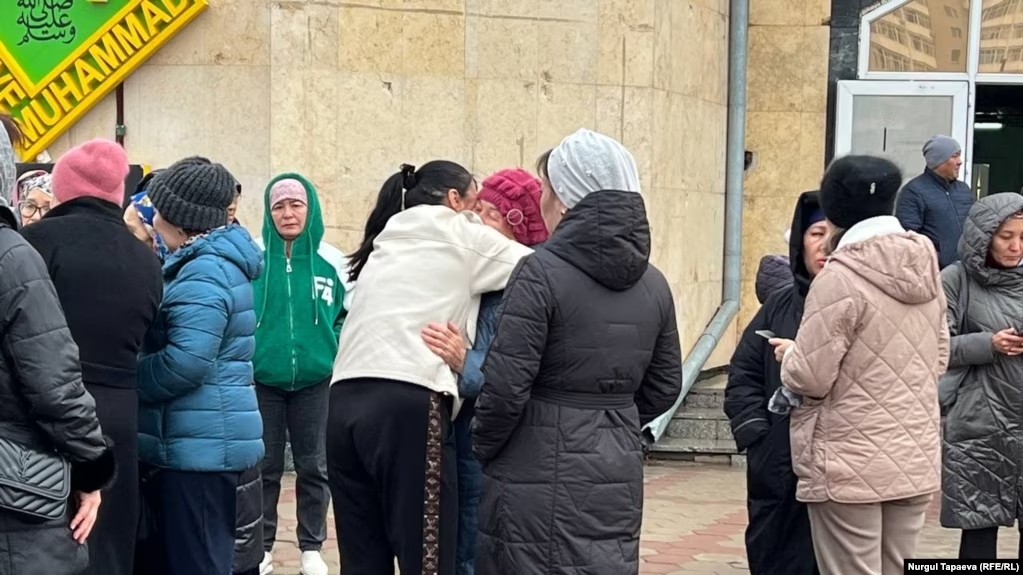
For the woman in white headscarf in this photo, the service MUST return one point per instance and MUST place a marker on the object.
(586, 352)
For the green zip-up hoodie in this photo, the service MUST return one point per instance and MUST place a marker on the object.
(299, 301)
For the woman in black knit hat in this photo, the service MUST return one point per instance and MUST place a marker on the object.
(198, 419)
(865, 363)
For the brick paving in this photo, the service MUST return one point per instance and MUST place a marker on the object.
(693, 522)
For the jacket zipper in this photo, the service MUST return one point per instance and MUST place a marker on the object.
(955, 212)
(291, 332)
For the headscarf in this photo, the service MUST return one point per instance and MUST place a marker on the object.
(144, 208)
(34, 180)
(588, 162)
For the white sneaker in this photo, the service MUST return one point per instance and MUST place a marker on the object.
(312, 564)
(266, 566)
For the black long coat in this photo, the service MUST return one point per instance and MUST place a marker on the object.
(586, 352)
(778, 538)
(110, 287)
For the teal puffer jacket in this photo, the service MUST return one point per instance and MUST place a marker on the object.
(198, 407)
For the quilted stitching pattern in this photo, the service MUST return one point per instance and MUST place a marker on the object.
(33, 482)
(869, 361)
(981, 479)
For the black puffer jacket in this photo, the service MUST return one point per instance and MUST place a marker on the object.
(773, 274)
(586, 352)
(778, 537)
(44, 405)
(248, 534)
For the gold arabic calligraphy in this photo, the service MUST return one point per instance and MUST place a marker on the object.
(46, 20)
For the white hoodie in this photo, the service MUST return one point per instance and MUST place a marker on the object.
(430, 264)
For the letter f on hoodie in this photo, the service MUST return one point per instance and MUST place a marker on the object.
(299, 300)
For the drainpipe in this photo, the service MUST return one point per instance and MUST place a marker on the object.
(735, 162)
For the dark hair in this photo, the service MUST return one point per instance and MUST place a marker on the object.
(541, 163)
(408, 188)
(12, 128)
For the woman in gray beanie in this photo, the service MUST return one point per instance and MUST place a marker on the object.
(199, 424)
(586, 352)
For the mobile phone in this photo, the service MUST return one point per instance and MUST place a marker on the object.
(765, 333)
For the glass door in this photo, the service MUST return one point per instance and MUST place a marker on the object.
(894, 119)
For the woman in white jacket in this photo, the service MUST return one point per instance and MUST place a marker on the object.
(390, 450)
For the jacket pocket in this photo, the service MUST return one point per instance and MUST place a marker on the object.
(971, 416)
(492, 508)
(803, 425)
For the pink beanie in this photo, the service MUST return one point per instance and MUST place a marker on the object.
(516, 193)
(95, 169)
(288, 189)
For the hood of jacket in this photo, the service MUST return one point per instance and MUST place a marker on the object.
(311, 236)
(880, 251)
(607, 236)
(986, 215)
(8, 179)
(806, 205)
(232, 243)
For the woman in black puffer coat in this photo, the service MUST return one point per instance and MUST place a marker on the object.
(586, 352)
(43, 403)
(778, 536)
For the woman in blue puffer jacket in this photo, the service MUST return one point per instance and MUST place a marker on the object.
(199, 422)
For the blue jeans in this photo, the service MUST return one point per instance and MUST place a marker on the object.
(470, 485)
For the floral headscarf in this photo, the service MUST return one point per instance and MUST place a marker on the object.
(34, 180)
(144, 208)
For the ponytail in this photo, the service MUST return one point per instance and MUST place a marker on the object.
(389, 202)
(408, 188)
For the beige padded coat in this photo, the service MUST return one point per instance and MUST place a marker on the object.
(867, 358)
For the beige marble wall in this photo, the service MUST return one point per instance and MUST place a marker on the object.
(345, 91)
(785, 124)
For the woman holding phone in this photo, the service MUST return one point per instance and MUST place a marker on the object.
(866, 359)
(778, 536)
(981, 470)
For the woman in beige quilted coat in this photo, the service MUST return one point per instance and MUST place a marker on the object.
(872, 343)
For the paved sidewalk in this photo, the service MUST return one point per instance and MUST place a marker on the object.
(693, 522)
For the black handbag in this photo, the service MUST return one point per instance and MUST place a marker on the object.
(32, 481)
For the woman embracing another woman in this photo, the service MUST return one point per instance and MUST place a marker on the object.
(391, 457)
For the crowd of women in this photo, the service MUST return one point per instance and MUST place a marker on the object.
(874, 380)
(155, 358)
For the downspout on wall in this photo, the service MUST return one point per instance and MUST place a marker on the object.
(735, 161)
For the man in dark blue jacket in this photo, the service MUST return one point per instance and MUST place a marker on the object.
(936, 202)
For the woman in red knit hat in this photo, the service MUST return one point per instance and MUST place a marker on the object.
(509, 202)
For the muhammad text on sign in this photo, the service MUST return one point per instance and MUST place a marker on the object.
(59, 57)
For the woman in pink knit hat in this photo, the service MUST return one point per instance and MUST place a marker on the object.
(509, 202)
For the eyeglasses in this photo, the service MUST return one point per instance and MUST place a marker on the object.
(29, 209)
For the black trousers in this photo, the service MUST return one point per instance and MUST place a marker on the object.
(196, 522)
(392, 468)
(111, 543)
(983, 543)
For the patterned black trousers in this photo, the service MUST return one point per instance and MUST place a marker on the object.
(392, 468)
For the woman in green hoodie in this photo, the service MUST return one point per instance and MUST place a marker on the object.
(300, 299)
